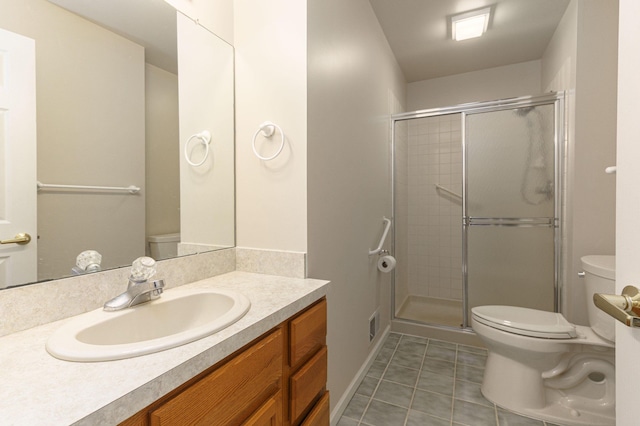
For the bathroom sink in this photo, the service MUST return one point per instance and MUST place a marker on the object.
(178, 317)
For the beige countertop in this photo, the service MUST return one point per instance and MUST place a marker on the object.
(38, 389)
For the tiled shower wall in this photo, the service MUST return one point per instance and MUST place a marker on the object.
(401, 211)
(434, 219)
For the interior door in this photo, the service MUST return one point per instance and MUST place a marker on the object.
(18, 261)
(627, 208)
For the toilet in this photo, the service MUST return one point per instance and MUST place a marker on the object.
(540, 365)
(163, 246)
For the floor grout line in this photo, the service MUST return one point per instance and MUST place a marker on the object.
(453, 393)
(395, 349)
(415, 387)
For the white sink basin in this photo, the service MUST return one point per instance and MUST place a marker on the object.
(176, 318)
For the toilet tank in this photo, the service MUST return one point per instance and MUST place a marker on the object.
(163, 246)
(599, 277)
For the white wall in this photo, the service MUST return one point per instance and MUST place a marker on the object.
(494, 83)
(216, 15)
(582, 60)
(271, 84)
(354, 83)
(628, 203)
(206, 98)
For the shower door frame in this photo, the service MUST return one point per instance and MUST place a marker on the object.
(553, 98)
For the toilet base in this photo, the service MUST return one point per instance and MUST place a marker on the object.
(561, 414)
(528, 394)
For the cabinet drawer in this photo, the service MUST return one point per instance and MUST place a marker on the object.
(270, 414)
(307, 333)
(319, 415)
(307, 384)
(232, 392)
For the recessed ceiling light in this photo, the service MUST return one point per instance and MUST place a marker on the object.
(470, 24)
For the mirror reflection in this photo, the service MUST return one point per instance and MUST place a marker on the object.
(93, 117)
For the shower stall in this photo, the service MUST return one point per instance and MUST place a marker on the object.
(477, 208)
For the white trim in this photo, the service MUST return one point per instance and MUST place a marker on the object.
(342, 403)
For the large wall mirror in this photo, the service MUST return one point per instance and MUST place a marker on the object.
(127, 94)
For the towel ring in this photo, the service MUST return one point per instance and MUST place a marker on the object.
(205, 139)
(268, 129)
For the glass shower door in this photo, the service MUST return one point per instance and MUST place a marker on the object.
(510, 215)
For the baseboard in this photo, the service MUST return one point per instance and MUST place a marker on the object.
(342, 403)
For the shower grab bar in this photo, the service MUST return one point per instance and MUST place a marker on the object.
(448, 191)
(130, 189)
(387, 225)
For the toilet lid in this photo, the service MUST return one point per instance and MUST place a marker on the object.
(524, 321)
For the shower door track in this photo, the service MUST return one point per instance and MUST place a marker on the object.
(556, 222)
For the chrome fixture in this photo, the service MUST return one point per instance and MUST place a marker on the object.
(140, 289)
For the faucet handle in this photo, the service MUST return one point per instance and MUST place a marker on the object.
(142, 269)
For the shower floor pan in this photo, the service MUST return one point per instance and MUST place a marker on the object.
(431, 310)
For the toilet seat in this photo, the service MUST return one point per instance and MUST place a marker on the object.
(525, 321)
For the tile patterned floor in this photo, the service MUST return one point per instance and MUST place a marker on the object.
(423, 382)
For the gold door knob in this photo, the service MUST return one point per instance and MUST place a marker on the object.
(22, 238)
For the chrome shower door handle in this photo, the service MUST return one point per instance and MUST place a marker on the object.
(22, 239)
(625, 308)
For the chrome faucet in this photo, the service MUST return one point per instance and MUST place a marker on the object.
(139, 289)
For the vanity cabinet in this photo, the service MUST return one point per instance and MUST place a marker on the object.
(278, 379)
(307, 362)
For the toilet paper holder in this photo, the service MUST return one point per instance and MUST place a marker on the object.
(625, 308)
(386, 262)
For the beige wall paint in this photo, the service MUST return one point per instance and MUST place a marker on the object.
(84, 141)
(582, 60)
(353, 84)
(271, 84)
(494, 83)
(162, 152)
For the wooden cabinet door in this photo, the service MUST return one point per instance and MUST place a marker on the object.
(307, 333)
(230, 394)
(270, 414)
(319, 416)
(307, 384)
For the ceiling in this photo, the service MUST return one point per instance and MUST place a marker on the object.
(149, 23)
(418, 32)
